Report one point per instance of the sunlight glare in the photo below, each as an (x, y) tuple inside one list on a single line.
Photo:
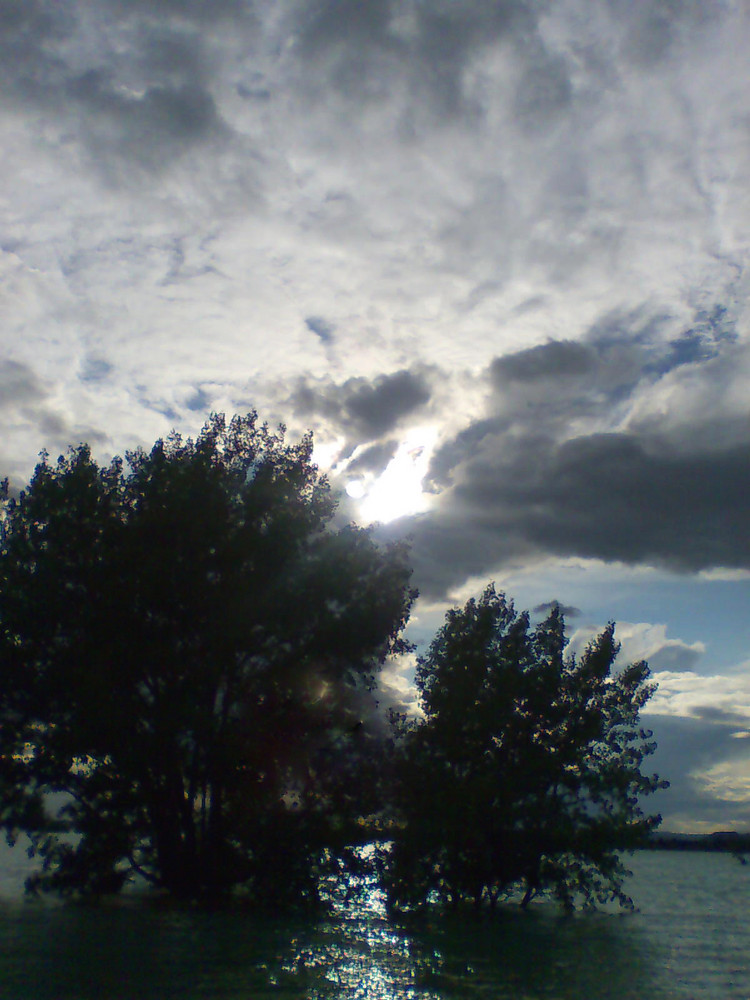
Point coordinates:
[(355, 488), (398, 491)]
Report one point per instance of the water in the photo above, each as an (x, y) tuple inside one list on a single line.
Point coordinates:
[(689, 939)]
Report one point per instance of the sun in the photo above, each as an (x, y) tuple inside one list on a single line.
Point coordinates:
[(356, 489), (397, 492)]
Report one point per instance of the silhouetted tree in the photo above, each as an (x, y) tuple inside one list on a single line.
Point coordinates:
[(525, 772), (187, 641)]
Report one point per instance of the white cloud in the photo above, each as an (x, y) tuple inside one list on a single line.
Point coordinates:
[(682, 689), (647, 641), (642, 641), (728, 781), (396, 685), (719, 697)]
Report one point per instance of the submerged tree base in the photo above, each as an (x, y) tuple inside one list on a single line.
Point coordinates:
[(524, 774), (189, 645)]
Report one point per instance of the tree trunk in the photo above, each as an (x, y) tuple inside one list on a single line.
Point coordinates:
[(528, 895)]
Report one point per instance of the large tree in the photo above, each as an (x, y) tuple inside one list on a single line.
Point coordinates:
[(524, 774), (187, 641)]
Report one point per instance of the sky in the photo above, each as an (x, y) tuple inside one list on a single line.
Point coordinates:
[(494, 253)]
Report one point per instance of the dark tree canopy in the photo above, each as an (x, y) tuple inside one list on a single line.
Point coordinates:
[(185, 637), (525, 773)]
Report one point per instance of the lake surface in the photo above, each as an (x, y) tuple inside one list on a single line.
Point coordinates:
[(690, 938)]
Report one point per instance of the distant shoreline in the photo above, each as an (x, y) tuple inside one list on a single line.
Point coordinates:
[(728, 841)]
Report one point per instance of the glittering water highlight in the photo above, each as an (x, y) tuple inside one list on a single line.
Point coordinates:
[(689, 938)]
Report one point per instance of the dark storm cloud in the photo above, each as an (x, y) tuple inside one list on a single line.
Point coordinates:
[(618, 357), (371, 46), (452, 544), (375, 458), (455, 450), (321, 328), (427, 51), (27, 401), (379, 405), (654, 27), (195, 10), (143, 93), (539, 390), (518, 485), (95, 370), (710, 713), (612, 497), (29, 32), (338, 22), (704, 744), (544, 387), (543, 93), (567, 610), (164, 121), (19, 385), (364, 409), (556, 359), (675, 657), (199, 401)]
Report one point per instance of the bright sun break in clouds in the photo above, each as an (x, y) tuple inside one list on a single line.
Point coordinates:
[(397, 492)]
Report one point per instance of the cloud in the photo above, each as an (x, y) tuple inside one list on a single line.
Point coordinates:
[(152, 128), (667, 657), (364, 409), (19, 385), (378, 406), (544, 92), (373, 459), (28, 32), (567, 610), (686, 687), (568, 459), (720, 698), (396, 688), (727, 781), (521, 227), (556, 360), (36, 419), (28, 403), (321, 328), (95, 369), (696, 720), (123, 87), (706, 769), (612, 497), (703, 341), (199, 401), (375, 47), (194, 10)]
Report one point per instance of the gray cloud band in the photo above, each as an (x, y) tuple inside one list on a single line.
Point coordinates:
[(603, 496)]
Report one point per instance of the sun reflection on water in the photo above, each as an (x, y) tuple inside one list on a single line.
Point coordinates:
[(680, 946), (357, 953)]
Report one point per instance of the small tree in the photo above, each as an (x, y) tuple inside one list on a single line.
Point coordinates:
[(186, 644), (525, 772)]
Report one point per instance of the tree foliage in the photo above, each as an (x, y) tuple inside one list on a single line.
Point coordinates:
[(525, 772), (185, 637)]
